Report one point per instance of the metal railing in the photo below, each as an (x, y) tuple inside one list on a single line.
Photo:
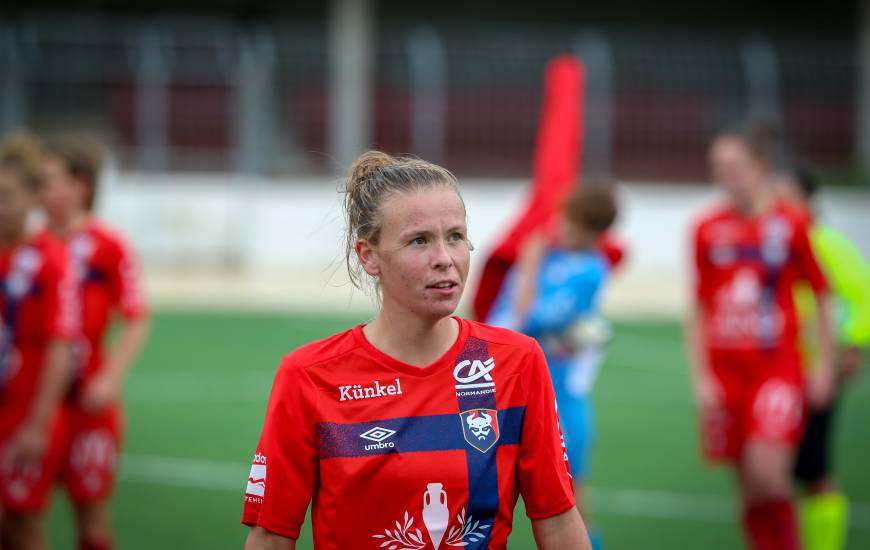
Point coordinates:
[(207, 94)]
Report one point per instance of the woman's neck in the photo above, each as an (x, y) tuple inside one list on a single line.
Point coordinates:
[(756, 203), (68, 224), (410, 339)]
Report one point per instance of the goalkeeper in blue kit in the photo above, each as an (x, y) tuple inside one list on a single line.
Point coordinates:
[(553, 293)]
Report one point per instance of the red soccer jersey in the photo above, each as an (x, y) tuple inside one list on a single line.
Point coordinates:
[(746, 267), (38, 304), (395, 455), (108, 278)]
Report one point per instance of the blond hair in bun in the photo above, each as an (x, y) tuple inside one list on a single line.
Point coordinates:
[(21, 154)]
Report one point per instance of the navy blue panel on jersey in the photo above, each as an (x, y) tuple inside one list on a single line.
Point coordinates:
[(443, 432)]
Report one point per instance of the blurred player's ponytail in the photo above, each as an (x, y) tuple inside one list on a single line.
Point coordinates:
[(83, 159), (372, 178), (21, 155)]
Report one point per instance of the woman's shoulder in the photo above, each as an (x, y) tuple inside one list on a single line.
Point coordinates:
[(320, 351), (45, 252), (713, 212), (513, 352), (500, 336)]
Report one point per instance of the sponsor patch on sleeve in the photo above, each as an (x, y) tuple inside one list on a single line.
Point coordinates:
[(256, 488)]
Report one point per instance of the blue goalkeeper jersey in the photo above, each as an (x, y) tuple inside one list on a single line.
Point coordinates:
[(568, 290)]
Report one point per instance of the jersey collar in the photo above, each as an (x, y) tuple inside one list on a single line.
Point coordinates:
[(412, 370)]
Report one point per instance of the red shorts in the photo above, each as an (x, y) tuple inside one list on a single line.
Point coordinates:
[(92, 452), (29, 490), (767, 406)]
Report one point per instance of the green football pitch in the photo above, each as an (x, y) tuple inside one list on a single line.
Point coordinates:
[(196, 400)]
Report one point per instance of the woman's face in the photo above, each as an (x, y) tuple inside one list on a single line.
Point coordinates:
[(59, 192), (735, 168), (422, 256), (15, 203)]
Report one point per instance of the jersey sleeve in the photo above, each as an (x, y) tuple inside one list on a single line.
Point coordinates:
[(62, 305), (285, 469), (805, 259), (127, 281), (702, 267), (543, 471)]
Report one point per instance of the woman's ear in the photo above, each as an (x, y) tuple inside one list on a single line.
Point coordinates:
[(368, 257)]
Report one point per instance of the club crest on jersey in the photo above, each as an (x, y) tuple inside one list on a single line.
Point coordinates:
[(480, 428)]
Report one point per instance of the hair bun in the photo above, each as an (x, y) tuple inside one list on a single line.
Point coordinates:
[(365, 165), (21, 149)]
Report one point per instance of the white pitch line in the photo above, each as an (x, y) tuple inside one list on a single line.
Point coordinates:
[(606, 501), (183, 472)]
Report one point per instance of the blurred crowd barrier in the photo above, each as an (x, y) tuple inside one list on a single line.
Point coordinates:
[(240, 242), (203, 94)]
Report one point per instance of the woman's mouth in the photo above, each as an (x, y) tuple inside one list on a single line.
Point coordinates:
[(443, 286)]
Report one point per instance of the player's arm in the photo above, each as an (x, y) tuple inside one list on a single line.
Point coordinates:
[(825, 374), (543, 473), (823, 379), (32, 439), (704, 386), (564, 531), (261, 539), (821, 382), (61, 322), (105, 388), (285, 473), (528, 266), (820, 385)]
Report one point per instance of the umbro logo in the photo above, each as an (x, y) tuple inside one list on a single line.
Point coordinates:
[(378, 435)]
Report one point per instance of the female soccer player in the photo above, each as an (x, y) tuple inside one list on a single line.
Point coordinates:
[(39, 316), (552, 295), (419, 429), (107, 278), (825, 510), (742, 334)]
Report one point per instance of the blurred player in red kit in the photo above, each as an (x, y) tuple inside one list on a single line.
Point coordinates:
[(743, 334), (39, 321), (107, 277), (419, 429)]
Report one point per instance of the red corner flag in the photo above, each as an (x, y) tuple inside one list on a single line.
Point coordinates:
[(556, 171)]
